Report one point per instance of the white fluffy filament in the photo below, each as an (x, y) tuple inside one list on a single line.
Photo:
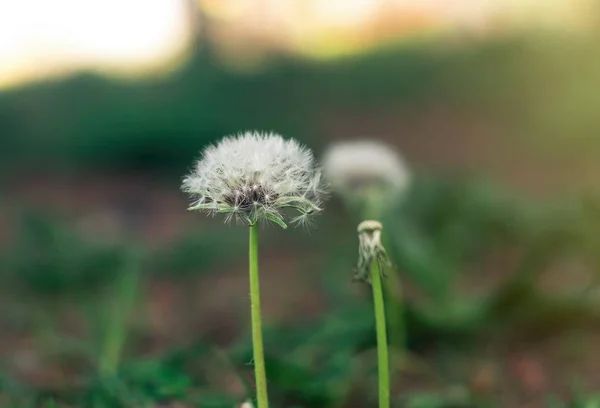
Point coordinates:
[(254, 177)]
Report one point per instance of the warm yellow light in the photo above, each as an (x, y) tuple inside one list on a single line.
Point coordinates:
[(41, 37), (225, 9), (343, 12)]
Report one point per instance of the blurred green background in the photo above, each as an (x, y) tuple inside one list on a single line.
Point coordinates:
[(497, 243)]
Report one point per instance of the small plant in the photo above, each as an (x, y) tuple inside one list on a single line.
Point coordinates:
[(372, 178), (252, 178), (120, 310), (372, 258)]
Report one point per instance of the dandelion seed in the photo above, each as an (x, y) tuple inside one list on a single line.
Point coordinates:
[(360, 168), (255, 177)]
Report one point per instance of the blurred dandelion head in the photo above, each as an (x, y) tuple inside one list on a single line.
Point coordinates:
[(256, 177), (365, 168)]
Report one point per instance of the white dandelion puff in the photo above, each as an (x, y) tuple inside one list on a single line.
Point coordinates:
[(358, 168), (254, 177)]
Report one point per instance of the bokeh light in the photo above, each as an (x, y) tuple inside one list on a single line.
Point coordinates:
[(39, 38)]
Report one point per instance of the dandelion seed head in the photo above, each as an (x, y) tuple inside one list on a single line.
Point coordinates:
[(254, 177), (354, 168)]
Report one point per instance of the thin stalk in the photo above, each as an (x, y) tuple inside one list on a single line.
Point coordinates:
[(118, 317), (257, 341), (395, 311), (382, 346), (373, 210)]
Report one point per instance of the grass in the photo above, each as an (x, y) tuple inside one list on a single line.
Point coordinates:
[(325, 362)]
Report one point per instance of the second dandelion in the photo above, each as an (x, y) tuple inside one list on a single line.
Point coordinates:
[(255, 177), (369, 175), (372, 258), (372, 178)]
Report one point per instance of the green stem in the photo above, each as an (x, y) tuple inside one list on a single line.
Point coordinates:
[(382, 347), (373, 210), (257, 341), (119, 314), (395, 312)]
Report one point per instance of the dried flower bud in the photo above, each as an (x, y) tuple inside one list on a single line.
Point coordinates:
[(370, 249)]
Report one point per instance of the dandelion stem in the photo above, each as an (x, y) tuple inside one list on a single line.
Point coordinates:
[(382, 347), (257, 341), (395, 311)]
